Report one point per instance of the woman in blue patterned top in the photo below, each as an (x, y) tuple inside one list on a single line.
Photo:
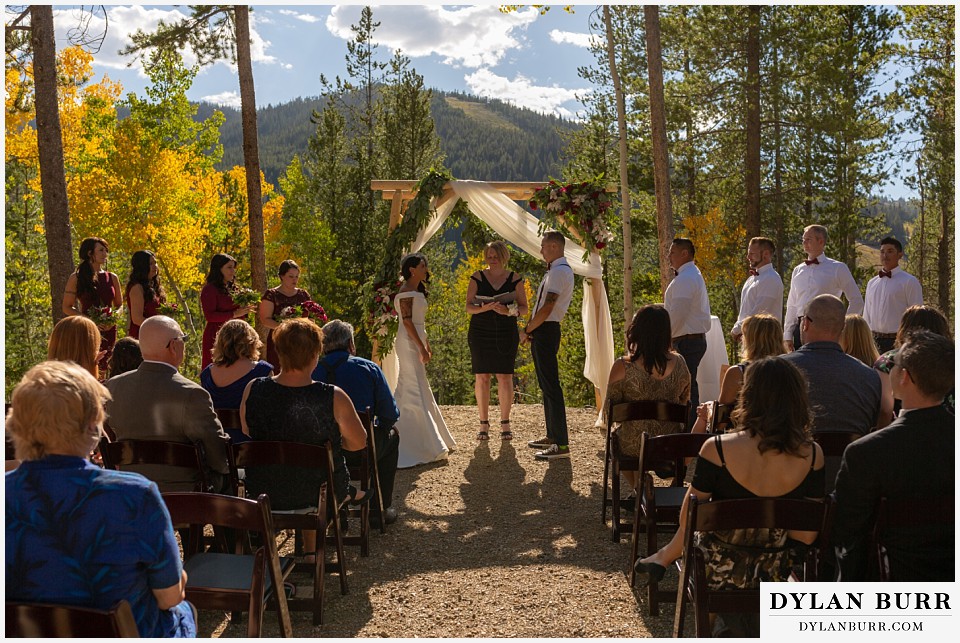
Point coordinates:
[(77, 534)]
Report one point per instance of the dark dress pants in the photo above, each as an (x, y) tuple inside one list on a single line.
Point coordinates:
[(797, 342), (388, 454), (692, 349), (884, 344), (544, 346)]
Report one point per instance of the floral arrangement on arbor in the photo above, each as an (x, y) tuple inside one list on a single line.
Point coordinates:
[(103, 316), (579, 208), (381, 321), (309, 309)]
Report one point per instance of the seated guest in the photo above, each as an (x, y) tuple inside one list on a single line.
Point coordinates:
[(77, 534), (856, 340), (292, 407), (771, 455), (126, 356), (76, 339), (155, 402), (367, 387), (915, 318), (762, 337), (651, 371), (913, 458), (236, 353)]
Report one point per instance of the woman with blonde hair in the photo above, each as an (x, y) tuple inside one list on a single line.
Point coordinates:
[(236, 361), (76, 339), (79, 534), (856, 340)]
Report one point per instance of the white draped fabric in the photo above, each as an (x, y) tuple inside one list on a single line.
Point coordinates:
[(520, 228)]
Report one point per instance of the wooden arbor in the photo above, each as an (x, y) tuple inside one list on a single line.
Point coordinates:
[(400, 193)]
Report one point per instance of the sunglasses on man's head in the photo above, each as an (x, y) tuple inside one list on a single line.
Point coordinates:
[(182, 338)]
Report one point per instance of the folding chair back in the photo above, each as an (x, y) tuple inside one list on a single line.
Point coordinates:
[(46, 620), (720, 417), (257, 453), (367, 476), (749, 513), (614, 461), (834, 443), (934, 512), (125, 453), (233, 582)]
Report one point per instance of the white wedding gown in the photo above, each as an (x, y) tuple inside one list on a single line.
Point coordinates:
[(424, 436)]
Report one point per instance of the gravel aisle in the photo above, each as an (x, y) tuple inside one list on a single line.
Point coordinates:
[(491, 543)]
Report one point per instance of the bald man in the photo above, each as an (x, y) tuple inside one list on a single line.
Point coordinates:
[(155, 402)]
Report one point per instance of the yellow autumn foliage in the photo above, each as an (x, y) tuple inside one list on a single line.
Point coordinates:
[(714, 239)]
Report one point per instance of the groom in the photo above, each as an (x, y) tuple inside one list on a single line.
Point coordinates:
[(543, 333)]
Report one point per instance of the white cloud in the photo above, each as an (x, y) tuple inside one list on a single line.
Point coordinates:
[(305, 17), (122, 22), (521, 92), (472, 36), (584, 40), (226, 99)]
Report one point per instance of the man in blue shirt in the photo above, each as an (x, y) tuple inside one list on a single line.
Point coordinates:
[(364, 382)]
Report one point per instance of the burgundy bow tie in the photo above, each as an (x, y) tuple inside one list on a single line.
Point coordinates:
[(675, 273), (753, 273), (815, 260), (884, 273)]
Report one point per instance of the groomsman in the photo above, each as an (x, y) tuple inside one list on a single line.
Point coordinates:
[(889, 294), (817, 275), (763, 290), (543, 333), (689, 307)]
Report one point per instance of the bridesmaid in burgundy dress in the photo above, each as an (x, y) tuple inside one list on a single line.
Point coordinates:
[(276, 299), (217, 302), (90, 286), (144, 292)]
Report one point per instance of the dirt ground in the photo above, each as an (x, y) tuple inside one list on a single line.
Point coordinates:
[(490, 543)]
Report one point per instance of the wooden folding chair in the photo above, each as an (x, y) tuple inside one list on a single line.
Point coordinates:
[(45, 620), (125, 453), (228, 418), (719, 417), (834, 443), (241, 581), (658, 508), (615, 461), (257, 453), (934, 512), (784, 513), (366, 419)]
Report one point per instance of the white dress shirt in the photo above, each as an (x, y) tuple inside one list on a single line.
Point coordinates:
[(888, 297), (762, 293), (830, 277), (687, 302), (558, 280)]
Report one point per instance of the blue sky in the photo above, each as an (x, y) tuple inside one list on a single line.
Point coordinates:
[(524, 58)]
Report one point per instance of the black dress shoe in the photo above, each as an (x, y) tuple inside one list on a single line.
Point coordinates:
[(649, 573), (389, 515)]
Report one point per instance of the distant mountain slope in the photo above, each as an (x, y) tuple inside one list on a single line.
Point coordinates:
[(485, 140)]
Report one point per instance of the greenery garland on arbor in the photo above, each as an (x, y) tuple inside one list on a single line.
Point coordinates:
[(378, 292)]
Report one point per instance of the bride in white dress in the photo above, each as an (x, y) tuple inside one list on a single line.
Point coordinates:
[(424, 436)]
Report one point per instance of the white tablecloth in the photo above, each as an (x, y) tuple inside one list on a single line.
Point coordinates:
[(708, 373)]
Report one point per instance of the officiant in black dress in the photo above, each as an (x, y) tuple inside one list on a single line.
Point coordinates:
[(495, 299)]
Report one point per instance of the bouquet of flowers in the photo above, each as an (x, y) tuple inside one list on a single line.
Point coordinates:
[(103, 316), (313, 311), (580, 208), (513, 309), (382, 319), (245, 296), (285, 313), (169, 310)]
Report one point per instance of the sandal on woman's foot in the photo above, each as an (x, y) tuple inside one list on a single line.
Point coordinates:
[(483, 434), (352, 496), (508, 434)]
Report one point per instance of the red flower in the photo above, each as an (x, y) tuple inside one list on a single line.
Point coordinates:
[(533, 204), (601, 245)]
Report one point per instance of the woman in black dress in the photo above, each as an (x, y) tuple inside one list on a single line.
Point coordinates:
[(493, 335)]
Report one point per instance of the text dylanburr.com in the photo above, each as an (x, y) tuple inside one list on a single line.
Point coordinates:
[(859, 610)]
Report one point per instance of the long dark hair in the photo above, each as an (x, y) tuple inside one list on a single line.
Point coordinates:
[(140, 274), (215, 277), (774, 405), (649, 337), (86, 280), (408, 263)]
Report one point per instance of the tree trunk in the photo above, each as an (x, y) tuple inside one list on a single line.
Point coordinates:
[(752, 155), (658, 127), (923, 207), (625, 206), (777, 205), (944, 281), (53, 182), (251, 154)]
